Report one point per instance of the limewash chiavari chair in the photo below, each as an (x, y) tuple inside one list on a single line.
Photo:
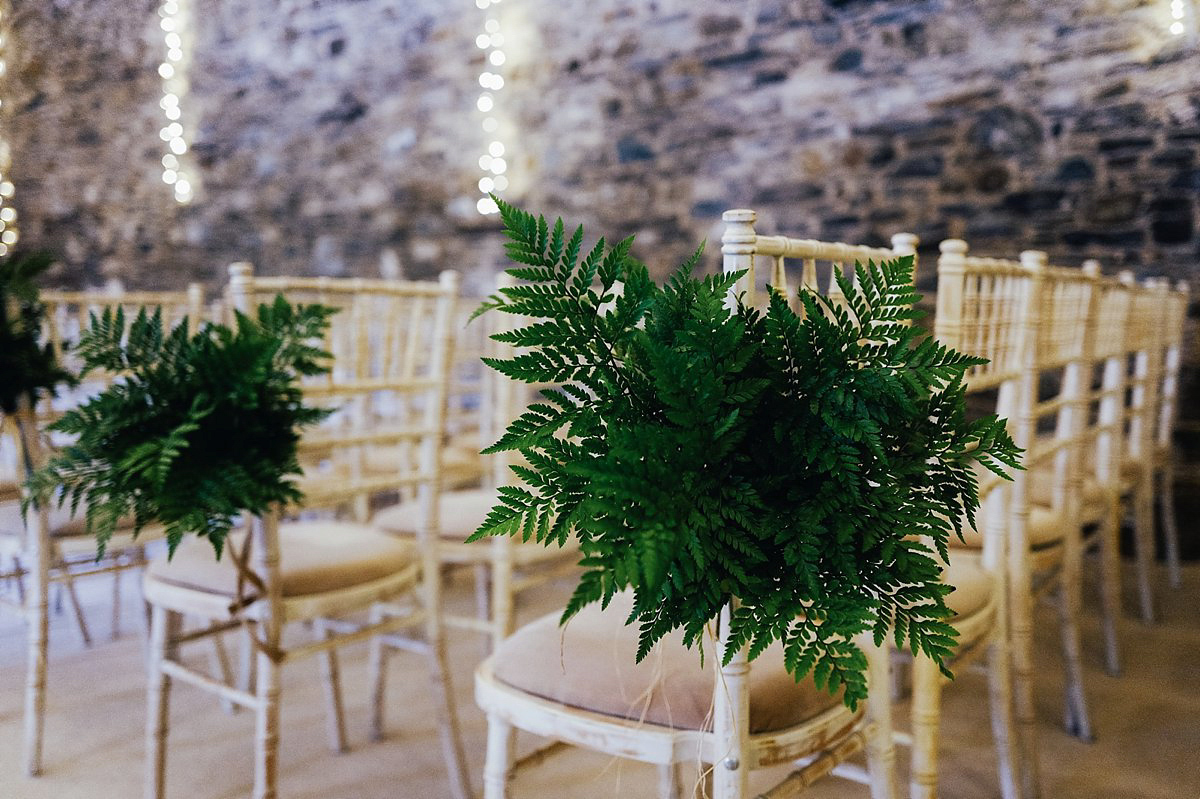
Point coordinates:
[(1140, 421), (580, 686), (1168, 398), (1044, 541), (505, 568), (51, 546), (391, 342), (984, 308)]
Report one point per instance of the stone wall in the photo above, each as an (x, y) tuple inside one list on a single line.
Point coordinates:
[(331, 134)]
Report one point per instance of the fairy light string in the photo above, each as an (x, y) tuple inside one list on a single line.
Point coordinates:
[(174, 19), (492, 162), (8, 214)]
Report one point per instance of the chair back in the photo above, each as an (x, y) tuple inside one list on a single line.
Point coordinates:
[(1104, 376), (765, 258), (391, 343), (1168, 396), (987, 307), (1145, 340), (742, 250)]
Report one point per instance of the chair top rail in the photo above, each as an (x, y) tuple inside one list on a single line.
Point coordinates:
[(350, 286)]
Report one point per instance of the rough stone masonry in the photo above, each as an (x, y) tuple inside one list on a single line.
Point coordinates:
[(341, 136)]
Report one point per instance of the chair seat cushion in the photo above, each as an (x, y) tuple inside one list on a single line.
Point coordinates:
[(314, 558), (590, 665), (1046, 528), (973, 585), (461, 513), (62, 523)]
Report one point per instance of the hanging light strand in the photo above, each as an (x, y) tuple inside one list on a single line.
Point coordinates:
[(1178, 12), (174, 16), (8, 214), (492, 162)]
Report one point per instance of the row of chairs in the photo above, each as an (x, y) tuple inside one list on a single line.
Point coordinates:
[(1086, 369), (383, 462)]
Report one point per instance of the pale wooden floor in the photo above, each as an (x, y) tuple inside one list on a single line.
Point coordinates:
[(1148, 723)]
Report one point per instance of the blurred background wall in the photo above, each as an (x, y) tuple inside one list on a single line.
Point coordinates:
[(330, 136)]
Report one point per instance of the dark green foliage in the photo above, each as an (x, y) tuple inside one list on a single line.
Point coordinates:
[(801, 464), (201, 428), (27, 369)]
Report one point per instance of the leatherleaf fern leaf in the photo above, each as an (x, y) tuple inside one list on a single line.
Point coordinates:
[(28, 368), (812, 466), (200, 427)]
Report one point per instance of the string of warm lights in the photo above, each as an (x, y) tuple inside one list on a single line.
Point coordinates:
[(492, 162), (1177, 14), (8, 214), (173, 71)]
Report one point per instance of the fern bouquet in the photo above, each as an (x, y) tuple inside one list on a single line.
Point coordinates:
[(813, 466), (198, 429), (27, 368)]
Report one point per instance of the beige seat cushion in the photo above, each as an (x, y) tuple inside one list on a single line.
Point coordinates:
[(973, 585), (9, 491), (62, 523), (315, 557), (461, 514), (1046, 527), (590, 665)]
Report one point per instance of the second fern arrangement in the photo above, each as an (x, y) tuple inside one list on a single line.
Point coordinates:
[(813, 466)]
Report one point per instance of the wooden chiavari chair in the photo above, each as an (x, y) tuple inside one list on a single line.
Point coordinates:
[(51, 546), (505, 568), (984, 307), (760, 716), (392, 343), (1164, 449)]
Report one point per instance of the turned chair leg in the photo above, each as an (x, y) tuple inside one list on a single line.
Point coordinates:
[(266, 732), (37, 612), (1021, 652), (1077, 720), (881, 748), (158, 693), (68, 582), (1166, 500), (452, 748), (1000, 699), (926, 724), (496, 764), (377, 676), (330, 676), (1143, 538), (1110, 585)]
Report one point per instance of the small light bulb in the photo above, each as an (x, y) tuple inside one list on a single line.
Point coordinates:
[(169, 99), (172, 112), (7, 214), (497, 82), (486, 185), (183, 187), (2, 224), (9, 237), (483, 41), (485, 162), (486, 206), (165, 70), (501, 182), (173, 41), (169, 161), (3, 249), (170, 176), (490, 124), (481, 3), (485, 80), (496, 149), (484, 103), (491, 26), (178, 146), (497, 58), (165, 134), (498, 166), (6, 188), (1177, 28), (167, 24), (175, 54), (171, 7)]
